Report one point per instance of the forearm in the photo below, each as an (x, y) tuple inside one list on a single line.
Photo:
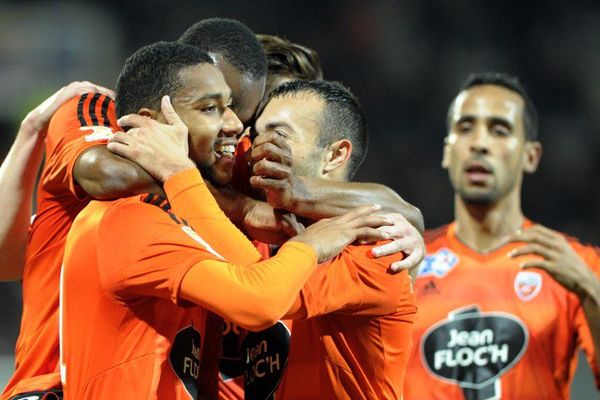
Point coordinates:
[(590, 302), (17, 182), (254, 296), (104, 175), (319, 198), (191, 199)]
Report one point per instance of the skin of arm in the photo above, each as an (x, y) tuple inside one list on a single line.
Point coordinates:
[(316, 198), (104, 175), (17, 181), (18, 173)]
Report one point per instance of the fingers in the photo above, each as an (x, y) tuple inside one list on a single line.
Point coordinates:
[(360, 211), (135, 121), (271, 169), (272, 152), (119, 148), (258, 182), (541, 264), (367, 234), (271, 137), (538, 234), (532, 248), (169, 113), (395, 246), (411, 260)]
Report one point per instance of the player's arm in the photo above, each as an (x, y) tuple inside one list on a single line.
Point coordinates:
[(104, 175), (145, 253), (354, 283), (560, 260), (316, 198), (18, 173)]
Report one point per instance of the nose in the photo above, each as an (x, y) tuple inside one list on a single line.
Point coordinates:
[(480, 140), (232, 125)]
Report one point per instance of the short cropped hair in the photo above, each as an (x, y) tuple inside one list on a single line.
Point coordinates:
[(290, 59), (153, 72), (512, 83), (234, 41), (342, 117)]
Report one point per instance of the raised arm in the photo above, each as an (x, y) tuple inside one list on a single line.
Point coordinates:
[(18, 173)]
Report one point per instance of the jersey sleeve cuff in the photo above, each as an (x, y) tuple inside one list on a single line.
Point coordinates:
[(183, 181)]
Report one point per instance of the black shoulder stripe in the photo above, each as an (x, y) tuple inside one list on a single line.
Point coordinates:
[(174, 218), (166, 206), (92, 108), (82, 100), (105, 104), (148, 198)]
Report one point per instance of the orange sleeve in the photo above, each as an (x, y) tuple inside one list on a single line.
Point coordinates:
[(354, 283), (255, 296), (591, 256), (79, 124), (191, 199), (144, 252)]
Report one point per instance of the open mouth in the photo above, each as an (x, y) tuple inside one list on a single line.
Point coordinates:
[(224, 150)]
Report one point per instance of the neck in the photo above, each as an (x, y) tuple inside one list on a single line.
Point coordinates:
[(487, 227)]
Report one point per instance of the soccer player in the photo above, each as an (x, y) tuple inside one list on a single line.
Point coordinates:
[(350, 339), (145, 269), (503, 301)]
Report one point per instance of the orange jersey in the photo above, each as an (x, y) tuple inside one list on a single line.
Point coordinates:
[(126, 261), (79, 124), (488, 329), (352, 331)]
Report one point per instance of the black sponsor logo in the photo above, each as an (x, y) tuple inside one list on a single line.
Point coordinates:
[(266, 353), (231, 364), (474, 349), (185, 359)]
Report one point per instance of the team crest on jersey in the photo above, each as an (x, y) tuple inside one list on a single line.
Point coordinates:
[(438, 264), (528, 284), (98, 133)]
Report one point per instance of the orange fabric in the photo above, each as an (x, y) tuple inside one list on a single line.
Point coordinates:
[(146, 258), (492, 326), (123, 333), (348, 348), (188, 188), (59, 199)]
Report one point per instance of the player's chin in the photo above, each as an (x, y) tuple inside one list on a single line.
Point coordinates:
[(222, 171)]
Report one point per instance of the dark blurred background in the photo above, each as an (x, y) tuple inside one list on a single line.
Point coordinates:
[(404, 59)]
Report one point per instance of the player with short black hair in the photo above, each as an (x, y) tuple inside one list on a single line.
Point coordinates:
[(504, 303), (510, 82), (162, 61), (239, 56), (342, 116)]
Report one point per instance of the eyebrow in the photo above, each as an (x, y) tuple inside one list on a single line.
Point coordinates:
[(493, 120), (278, 124), (212, 96)]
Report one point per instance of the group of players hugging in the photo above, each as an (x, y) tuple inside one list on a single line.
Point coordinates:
[(198, 236)]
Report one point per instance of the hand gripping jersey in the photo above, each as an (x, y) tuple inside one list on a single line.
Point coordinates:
[(125, 331), (79, 124), (487, 329)]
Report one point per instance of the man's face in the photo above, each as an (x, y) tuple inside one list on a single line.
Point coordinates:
[(485, 148), (297, 119), (246, 94), (202, 104)]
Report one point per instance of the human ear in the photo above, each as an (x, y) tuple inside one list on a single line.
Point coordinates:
[(338, 155), (532, 155)]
